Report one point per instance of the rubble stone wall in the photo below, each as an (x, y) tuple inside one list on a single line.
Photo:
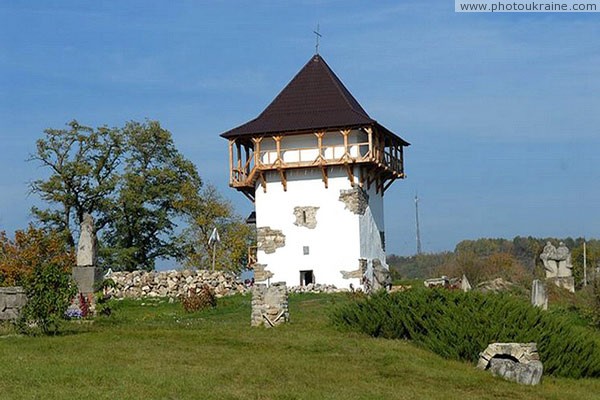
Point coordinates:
[(12, 299), (173, 284), (269, 305)]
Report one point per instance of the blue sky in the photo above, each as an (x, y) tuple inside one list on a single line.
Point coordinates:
[(502, 110)]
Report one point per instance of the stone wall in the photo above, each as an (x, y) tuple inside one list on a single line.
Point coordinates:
[(269, 240), (306, 216), (12, 299), (355, 199), (269, 305), (172, 284)]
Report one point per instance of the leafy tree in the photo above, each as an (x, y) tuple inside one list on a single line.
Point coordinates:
[(236, 236), (131, 179), (83, 163), (157, 186)]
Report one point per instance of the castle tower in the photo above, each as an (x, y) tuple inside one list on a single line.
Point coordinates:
[(316, 167)]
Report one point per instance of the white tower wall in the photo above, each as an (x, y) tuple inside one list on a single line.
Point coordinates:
[(341, 236)]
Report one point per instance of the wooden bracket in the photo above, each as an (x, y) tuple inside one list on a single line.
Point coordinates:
[(283, 179), (349, 172), (325, 178), (263, 181)]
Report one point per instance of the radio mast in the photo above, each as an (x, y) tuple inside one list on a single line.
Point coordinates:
[(417, 221)]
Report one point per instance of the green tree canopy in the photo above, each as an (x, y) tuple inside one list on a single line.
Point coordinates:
[(236, 236), (139, 188), (83, 164)]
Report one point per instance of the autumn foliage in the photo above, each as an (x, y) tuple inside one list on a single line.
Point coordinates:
[(30, 248)]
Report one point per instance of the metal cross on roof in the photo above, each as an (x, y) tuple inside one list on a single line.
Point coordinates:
[(318, 35)]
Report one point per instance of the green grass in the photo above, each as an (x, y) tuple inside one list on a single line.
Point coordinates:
[(156, 351)]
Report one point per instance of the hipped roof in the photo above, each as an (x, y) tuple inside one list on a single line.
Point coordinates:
[(315, 99)]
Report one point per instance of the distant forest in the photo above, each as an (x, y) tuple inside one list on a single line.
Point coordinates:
[(482, 259)]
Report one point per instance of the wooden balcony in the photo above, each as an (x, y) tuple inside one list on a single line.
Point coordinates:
[(380, 158)]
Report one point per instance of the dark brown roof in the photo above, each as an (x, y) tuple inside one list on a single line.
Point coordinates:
[(314, 99)]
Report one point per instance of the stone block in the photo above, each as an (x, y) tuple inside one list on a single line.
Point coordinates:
[(517, 362), (86, 278), (12, 300), (564, 282), (539, 297), (525, 374)]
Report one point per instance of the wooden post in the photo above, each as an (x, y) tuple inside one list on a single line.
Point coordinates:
[(277, 140), (238, 147), (231, 162), (257, 160), (370, 133), (345, 133)]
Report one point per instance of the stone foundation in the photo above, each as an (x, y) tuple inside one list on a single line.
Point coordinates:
[(12, 299), (269, 305)]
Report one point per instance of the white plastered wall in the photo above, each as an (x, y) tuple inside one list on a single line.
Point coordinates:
[(333, 243), (340, 237)]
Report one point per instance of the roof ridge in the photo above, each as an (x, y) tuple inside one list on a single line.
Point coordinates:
[(283, 90), (344, 90), (315, 98)]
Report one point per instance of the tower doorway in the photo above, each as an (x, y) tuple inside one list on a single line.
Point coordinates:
[(306, 277)]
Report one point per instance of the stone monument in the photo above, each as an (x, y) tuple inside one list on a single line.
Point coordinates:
[(86, 273), (558, 266), (465, 285), (539, 297)]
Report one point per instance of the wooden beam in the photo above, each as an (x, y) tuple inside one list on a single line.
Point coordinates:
[(249, 195), (257, 160), (320, 159), (345, 134), (369, 131), (325, 178), (238, 148), (349, 172), (263, 181), (361, 180), (231, 161), (278, 160), (283, 178), (388, 184)]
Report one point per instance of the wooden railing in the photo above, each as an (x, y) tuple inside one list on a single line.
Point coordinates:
[(312, 155), (379, 149)]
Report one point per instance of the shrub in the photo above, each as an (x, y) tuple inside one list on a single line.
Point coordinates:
[(198, 301), (49, 289), (460, 325), (30, 248)]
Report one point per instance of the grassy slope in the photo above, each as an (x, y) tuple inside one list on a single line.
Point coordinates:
[(158, 352)]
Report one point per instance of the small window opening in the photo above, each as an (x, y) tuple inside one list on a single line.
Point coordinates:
[(305, 250), (304, 216)]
